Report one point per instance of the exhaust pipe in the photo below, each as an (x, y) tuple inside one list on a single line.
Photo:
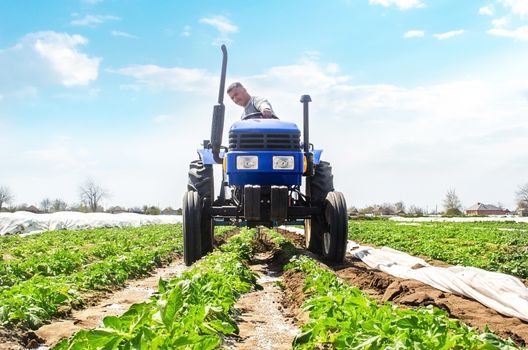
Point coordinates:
[(217, 128), (305, 99)]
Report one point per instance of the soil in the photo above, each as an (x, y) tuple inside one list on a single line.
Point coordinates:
[(263, 321)]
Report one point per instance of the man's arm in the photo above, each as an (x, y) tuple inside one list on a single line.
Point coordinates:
[(263, 106)]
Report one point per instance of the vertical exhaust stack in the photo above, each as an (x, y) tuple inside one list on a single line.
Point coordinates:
[(305, 99), (217, 128)]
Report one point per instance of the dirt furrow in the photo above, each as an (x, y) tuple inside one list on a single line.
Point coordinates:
[(263, 321)]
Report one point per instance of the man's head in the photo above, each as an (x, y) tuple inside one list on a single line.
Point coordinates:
[(238, 94)]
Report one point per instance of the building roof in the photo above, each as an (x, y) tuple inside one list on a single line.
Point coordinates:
[(483, 207)]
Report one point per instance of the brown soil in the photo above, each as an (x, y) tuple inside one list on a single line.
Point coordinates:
[(263, 321)]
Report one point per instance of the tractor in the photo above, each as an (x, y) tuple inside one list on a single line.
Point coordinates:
[(261, 185)]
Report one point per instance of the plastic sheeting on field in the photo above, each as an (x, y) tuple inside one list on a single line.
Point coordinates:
[(504, 293), (22, 222)]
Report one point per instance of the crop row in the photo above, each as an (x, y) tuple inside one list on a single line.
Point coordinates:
[(192, 311), (32, 299), (342, 317), (57, 253), (494, 246)]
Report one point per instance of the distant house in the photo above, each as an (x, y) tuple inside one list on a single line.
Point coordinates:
[(522, 212), (485, 209)]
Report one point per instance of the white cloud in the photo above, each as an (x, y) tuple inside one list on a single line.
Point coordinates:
[(500, 22), (123, 34), (93, 20), (45, 58), (224, 27), (414, 34), (186, 32), (448, 35), (176, 78), (520, 33), (518, 7), (409, 138), (401, 4), (488, 10)]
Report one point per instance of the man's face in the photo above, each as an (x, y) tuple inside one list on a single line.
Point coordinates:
[(239, 96)]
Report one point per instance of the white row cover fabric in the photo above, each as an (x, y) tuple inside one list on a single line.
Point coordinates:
[(22, 222), (503, 293)]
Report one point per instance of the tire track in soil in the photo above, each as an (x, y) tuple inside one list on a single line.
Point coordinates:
[(264, 322), (410, 293)]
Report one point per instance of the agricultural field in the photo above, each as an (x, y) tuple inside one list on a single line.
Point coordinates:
[(493, 246), (348, 305)]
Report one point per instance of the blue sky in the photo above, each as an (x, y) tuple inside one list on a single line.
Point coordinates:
[(411, 98)]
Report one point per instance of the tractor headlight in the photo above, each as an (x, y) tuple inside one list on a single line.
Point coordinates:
[(247, 162), (283, 162)]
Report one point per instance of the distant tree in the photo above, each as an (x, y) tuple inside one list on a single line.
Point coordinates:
[(136, 210), (399, 207), (152, 210), (522, 196), (58, 205), (415, 211), (45, 205), (91, 194), (6, 197), (452, 203)]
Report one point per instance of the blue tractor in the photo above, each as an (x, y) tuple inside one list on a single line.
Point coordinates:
[(263, 168)]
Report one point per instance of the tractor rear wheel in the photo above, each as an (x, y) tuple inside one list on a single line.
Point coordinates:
[(335, 233), (201, 180), (313, 229), (192, 214), (321, 184)]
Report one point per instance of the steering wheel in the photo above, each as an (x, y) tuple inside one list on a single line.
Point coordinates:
[(258, 115)]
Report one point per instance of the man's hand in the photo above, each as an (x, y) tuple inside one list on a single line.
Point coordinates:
[(266, 113)]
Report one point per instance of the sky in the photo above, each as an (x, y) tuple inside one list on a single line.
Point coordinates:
[(411, 98)]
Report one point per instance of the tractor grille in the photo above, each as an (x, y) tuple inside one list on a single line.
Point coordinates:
[(254, 141)]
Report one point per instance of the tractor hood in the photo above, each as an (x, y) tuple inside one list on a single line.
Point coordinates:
[(263, 126)]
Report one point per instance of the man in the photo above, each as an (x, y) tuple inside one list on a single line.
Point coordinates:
[(251, 104)]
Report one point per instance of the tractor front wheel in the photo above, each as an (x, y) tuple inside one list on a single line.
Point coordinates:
[(335, 232), (192, 227)]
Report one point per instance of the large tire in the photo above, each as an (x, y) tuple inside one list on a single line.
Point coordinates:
[(313, 234), (192, 227), (335, 234), (321, 184), (201, 180)]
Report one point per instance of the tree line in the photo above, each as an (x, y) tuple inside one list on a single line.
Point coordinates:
[(90, 196)]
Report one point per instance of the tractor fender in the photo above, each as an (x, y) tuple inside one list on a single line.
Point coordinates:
[(206, 155), (317, 155)]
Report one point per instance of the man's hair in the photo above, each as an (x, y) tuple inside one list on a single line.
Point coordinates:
[(234, 85)]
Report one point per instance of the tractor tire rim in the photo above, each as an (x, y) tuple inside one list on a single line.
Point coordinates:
[(326, 239)]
